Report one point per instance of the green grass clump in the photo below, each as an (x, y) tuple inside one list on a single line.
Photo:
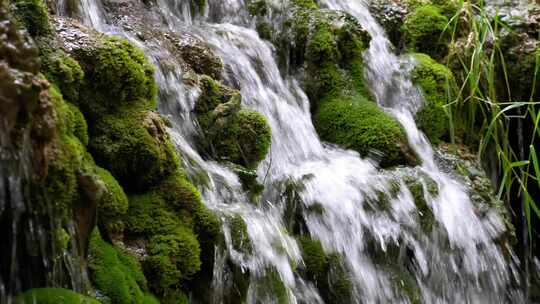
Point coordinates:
[(53, 296)]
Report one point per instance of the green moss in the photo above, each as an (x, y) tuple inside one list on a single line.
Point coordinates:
[(121, 73), (340, 284), (427, 219), (34, 15), (150, 299), (424, 31), (439, 89), (171, 259), (315, 260), (62, 239), (177, 225), (77, 124), (231, 134), (112, 205), (64, 71), (67, 159), (245, 140), (239, 235), (53, 296), (308, 4), (326, 271), (148, 215), (115, 273), (362, 126), (257, 7), (322, 47), (330, 45), (134, 147)]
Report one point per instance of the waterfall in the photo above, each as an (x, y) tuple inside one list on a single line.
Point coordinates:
[(457, 262)]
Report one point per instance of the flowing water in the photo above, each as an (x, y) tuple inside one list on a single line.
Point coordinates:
[(457, 262)]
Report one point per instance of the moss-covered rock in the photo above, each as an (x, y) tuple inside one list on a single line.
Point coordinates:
[(315, 260), (439, 89), (34, 15), (362, 126), (326, 271), (119, 74), (239, 235), (231, 133), (68, 158), (425, 30), (115, 273), (135, 147), (112, 205), (172, 258), (309, 4), (77, 124), (64, 71), (176, 226), (53, 296)]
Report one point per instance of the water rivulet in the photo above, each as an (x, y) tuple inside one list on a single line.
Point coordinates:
[(372, 214)]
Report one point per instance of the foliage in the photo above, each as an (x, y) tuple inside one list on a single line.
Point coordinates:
[(499, 116)]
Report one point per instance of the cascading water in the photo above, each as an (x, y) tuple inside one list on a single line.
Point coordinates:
[(457, 262)]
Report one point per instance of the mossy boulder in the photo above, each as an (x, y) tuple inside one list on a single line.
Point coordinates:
[(326, 271), (68, 159), (135, 147), (231, 133), (425, 30), (329, 45), (63, 71), (77, 123), (439, 89), (112, 205), (309, 4), (53, 296), (34, 15), (175, 225), (239, 235), (115, 273), (361, 125), (172, 258), (315, 259), (117, 74)]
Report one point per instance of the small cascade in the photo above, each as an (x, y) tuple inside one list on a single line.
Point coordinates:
[(458, 261)]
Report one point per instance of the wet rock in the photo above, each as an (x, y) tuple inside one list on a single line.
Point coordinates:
[(390, 15)]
